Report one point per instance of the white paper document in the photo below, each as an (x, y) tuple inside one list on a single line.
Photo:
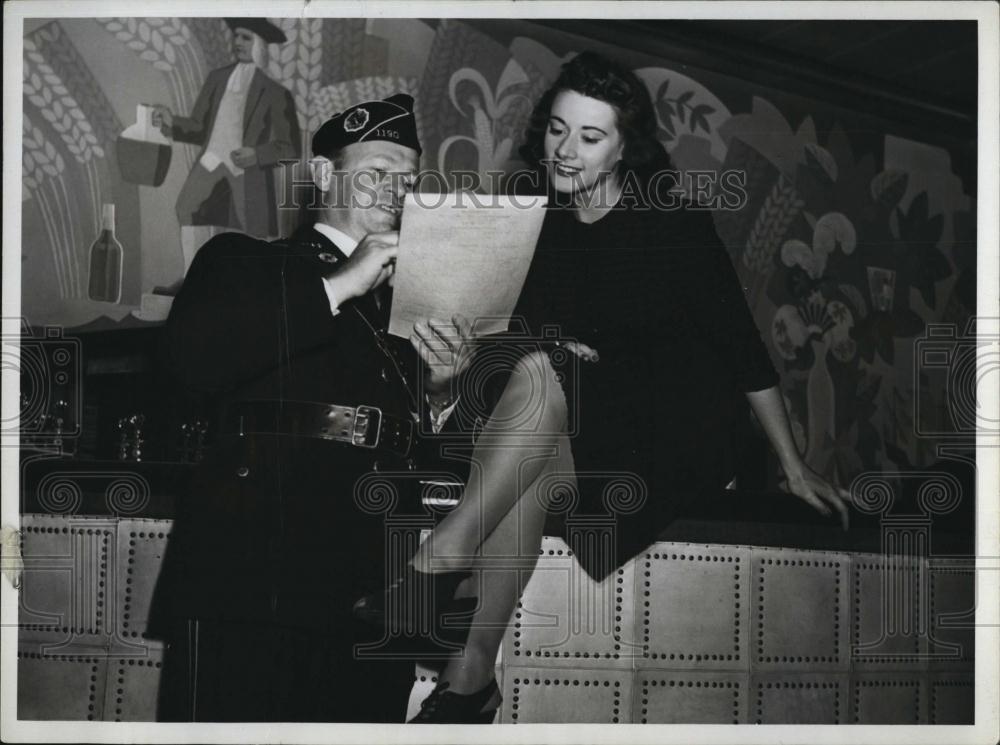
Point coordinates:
[(463, 253)]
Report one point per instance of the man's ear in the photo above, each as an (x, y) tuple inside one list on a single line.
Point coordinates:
[(321, 170)]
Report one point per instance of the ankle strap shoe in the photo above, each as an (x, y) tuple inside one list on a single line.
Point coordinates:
[(447, 707)]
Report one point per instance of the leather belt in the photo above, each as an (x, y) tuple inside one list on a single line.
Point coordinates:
[(361, 426)]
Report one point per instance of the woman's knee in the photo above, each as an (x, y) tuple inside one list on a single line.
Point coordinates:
[(537, 381)]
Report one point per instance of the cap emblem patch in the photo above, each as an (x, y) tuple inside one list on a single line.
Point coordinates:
[(356, 120)]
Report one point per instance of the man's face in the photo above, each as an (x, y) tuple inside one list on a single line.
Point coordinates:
[(243, 45), (369, 186)]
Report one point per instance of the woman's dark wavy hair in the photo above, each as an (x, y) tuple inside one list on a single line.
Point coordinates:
[(595, 76)]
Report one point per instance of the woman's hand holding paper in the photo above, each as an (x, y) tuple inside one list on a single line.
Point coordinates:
[(446, 349)]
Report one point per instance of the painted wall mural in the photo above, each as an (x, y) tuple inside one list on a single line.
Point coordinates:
[(851, 244)]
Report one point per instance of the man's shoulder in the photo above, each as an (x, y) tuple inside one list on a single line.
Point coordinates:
[(235, 244), (231, 250)]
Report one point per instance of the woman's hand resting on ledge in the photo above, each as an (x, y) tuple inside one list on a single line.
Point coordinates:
[(817, 492)]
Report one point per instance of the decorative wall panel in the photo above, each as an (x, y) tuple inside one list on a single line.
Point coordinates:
[(889, 698), (64, 587), (133, 686), (575, 649), (952, 700), (570, 695), (887, 631), (141, 545), (566, 619), (800, 610), (693, 607), (800, 698), (61, 687), (952, 610), (662, 697)]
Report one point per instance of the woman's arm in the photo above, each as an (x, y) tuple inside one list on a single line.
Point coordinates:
[(803, 482)]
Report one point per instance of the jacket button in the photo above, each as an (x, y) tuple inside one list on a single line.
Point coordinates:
[(385, 375), (242, 472)]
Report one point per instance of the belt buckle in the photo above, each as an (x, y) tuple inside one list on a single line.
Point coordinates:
[(359, 435)]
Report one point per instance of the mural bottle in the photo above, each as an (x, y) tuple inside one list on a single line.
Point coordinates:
[(106, 258)]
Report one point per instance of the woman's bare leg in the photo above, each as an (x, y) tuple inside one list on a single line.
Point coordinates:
[(507, 560), (515, 446)]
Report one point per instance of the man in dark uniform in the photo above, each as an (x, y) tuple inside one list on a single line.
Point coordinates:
[(278, 538)]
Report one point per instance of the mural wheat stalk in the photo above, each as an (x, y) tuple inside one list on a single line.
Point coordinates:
[(49, 94), (297, 65), (58, 107), (43, 164), (60, 53), (781, 207)]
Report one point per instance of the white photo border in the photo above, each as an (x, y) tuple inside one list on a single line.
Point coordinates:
[(987, 646)]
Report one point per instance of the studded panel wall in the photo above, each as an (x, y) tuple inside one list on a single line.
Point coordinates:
[(683, 633)]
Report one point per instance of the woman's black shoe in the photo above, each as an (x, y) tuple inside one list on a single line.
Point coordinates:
[(447, 707), (414, 607)]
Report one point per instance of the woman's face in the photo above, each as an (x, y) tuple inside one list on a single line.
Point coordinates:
[(582, 142)]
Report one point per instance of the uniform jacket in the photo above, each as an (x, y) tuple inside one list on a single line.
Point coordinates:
[(270, 126), (276, 528)]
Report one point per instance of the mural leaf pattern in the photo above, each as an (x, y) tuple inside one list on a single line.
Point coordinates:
[(40, 159), (297, 65), (776, 215), (45, 167), (58, 106), (343, 50)]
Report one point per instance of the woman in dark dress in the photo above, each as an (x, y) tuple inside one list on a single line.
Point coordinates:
[(669, 362)]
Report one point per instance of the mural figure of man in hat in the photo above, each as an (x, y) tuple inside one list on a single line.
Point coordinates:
[(246, 124)]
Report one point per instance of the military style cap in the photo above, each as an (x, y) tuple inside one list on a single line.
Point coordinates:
[(260, 26), (391, 120)]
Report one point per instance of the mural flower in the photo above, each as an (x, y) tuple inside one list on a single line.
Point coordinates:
[(493, 143), (765, 147), (794, 326), (832, 230), (817, 312)]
